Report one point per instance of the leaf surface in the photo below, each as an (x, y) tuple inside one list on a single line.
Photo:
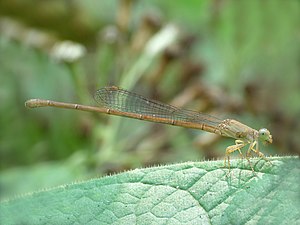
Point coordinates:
[(185, 193)]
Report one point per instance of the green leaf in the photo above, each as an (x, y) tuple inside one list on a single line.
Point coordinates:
[(185, 193)]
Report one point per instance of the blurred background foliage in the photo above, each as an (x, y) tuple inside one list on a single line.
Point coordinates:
[(233, 59)]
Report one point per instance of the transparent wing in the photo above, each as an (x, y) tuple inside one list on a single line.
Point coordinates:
[(121, 100)]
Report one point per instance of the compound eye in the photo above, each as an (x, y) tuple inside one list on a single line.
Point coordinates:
[(263, 132)]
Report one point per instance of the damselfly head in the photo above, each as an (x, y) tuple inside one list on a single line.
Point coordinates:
[(265, 136)]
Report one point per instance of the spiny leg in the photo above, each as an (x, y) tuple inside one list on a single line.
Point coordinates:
[(230, 149), (248, 154), (260, 154)]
